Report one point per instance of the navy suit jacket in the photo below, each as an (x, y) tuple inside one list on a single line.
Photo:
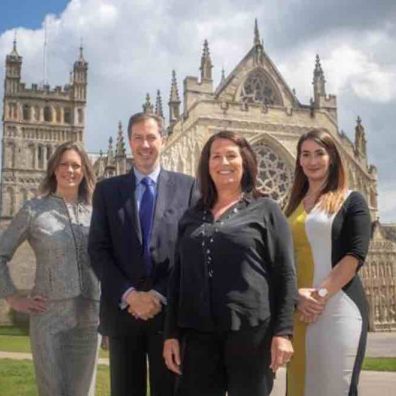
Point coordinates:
[(115, 241)]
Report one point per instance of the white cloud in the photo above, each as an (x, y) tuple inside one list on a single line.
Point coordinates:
[(348, 63)]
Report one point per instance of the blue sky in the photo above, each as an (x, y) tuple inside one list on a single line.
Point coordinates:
[(27, 13), (133, 45)]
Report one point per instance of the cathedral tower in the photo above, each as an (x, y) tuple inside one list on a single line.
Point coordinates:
[(36, 120)]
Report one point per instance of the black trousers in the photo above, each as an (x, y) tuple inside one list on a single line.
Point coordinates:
[(128, 361), (236, 362)]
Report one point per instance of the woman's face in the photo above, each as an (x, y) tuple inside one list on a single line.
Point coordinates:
[(69, 172), (225, 164), (315, 161)]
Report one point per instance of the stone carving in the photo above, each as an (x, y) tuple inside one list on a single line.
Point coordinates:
[(275, 175), (258, 88)]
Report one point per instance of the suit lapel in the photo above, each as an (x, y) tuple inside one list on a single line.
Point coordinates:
[(165, 191), (127, 191)]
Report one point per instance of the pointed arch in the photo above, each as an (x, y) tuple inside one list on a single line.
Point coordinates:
[(259, 88), (276, 170), (47, 114), (26, 112)]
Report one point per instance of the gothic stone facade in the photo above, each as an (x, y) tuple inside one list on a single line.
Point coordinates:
[(255, 101), (35, 121)]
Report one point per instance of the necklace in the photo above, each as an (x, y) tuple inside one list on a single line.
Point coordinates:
[(310, 200), (219, 210)]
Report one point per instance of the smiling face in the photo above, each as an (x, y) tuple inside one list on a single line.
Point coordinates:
[(69, 172), (315, 161), (225, 164), (146, 144)]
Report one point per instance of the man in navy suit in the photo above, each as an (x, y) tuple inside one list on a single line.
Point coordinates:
[(131, 245)]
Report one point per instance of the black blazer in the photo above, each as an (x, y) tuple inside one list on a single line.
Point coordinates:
[(115, 241)]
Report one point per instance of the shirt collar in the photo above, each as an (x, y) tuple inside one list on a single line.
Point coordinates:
[(154, 175)]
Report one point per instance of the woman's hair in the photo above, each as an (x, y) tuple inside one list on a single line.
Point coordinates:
[(87, 185), (333, 192), (249, 161)]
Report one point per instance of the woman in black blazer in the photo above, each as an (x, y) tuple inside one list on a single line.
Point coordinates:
[(233, 288)]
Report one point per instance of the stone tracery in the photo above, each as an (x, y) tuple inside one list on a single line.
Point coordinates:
[(258, 88), (275, 175)]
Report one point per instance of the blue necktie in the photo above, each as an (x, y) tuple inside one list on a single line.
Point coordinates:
[(146, 212)]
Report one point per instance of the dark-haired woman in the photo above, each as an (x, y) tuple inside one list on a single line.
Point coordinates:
[(63, 305), (331, 231), (233, 290)]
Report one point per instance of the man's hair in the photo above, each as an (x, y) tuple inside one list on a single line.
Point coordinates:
[(139, 117)]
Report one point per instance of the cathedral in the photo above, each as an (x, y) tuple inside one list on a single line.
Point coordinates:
[(253, 100)]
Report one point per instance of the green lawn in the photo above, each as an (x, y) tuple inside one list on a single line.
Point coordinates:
[(21, 343), (379, 364), (14, 343), (13, 339), (17, 378), (12, 330)]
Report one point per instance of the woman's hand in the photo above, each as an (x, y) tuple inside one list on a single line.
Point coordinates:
[(171, 355), (310, 305), (281, 352), (36, 304)]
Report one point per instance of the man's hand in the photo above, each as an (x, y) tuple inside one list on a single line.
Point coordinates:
[(104, 344), (36, 304), (310, 305), (281, 352), (143, 305), (171, 355)]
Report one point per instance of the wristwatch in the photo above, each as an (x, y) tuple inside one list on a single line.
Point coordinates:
[(322, 292)]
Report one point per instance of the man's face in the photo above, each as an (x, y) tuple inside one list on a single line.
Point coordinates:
[(146, 144)]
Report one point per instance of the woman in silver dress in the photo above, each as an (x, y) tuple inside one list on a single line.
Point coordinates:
[(64, 302)]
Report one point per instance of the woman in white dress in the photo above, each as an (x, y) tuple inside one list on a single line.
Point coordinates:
[(331, 231)]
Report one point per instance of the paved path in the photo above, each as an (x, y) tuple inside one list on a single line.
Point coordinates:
[(28, 356), (381, 345), (372, 383)]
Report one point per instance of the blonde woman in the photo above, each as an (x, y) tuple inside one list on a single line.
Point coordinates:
[(331, 232), (63, 305)]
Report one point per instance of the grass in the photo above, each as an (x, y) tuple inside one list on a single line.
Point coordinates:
[(12, 341), (379, 364), (13, 331), (17, 378), (15, 343)]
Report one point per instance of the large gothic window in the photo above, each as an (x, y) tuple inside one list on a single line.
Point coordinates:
[(258, 88), (275, 175)]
